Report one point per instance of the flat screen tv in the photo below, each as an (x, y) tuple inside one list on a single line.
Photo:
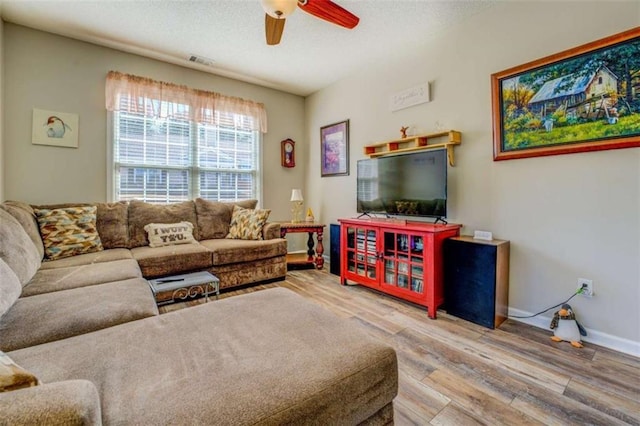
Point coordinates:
[(412, 184)]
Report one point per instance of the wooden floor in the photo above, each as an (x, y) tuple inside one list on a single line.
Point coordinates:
[(453, 372)]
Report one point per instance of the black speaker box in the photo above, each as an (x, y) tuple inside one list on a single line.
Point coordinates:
[(476, 280), (334, 253)]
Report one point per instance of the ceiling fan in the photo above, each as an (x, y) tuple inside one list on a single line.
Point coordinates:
[(278, 10)]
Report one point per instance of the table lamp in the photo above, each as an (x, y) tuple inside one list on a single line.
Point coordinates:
[(296, 208)]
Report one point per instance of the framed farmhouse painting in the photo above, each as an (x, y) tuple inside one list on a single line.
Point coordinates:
[(583, 99), (334, 149)]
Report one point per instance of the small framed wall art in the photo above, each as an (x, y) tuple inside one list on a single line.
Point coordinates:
[(288, 153), (582, 99), (334, 149), (54, 128)]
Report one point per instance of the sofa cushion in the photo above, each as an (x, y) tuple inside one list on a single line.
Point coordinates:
[(68, 231), (17, 249), (171, 260), (27, 218), (61, 314), (269, 357), (72, 402), (227, 251), (50, 280), (214, 217), (112, 222), (86, 259), (247, 224), (10, 287), (14, 377), (169, 234), (141, 214)]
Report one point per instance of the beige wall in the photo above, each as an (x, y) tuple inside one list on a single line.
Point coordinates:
[(49, 72), (566, 216)]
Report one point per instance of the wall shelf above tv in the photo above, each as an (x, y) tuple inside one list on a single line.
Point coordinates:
[(417, 143)]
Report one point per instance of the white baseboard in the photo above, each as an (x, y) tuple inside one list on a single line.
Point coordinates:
[(593, 336)]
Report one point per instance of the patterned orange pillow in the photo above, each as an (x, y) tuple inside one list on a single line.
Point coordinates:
[(68, 231)]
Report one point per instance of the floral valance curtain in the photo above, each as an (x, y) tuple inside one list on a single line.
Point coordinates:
[(144, 95)]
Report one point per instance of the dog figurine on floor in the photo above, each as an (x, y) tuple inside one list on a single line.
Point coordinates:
[(566, 328)]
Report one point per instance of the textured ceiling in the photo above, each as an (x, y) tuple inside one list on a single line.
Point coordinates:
[(312, 54)]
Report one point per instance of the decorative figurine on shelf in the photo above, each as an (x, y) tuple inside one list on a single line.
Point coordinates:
[(403, 131), (566, 328), (309, 217)]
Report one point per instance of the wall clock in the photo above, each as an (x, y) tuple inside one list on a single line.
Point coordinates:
[(288, 153)]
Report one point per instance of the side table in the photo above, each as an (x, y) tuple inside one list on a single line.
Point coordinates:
[(314, 257)]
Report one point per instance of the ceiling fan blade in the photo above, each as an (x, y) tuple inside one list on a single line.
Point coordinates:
[(329, 11), (273, 29)]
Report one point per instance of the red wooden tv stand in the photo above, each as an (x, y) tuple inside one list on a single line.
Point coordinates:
[(398, 257)]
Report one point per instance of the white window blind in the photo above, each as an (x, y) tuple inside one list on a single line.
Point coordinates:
[(161, 155)]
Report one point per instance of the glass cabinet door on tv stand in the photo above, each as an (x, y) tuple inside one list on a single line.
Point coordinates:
[(404, 261), (396, 257), (361, 253)]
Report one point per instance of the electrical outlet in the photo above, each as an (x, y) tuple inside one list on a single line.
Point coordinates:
[(586, 286)]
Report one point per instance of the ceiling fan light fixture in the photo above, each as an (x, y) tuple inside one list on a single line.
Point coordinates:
[(279, 9)]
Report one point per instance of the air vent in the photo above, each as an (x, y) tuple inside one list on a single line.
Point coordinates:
[(201, 60)]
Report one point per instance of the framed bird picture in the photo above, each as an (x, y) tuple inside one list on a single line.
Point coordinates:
[(54, 128)]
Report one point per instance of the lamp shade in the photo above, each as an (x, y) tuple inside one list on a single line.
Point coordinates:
[(279, 9), (296, 195)]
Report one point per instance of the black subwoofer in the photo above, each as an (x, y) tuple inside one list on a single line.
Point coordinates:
[(476, 280), (334, 252)]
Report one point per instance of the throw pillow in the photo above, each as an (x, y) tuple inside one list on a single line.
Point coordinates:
[(12, 376), (68, 231), (246, 224), (168, 234), (141, 214)]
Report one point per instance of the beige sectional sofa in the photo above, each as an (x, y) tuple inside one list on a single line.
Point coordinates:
[(68, 288), (88, 328)]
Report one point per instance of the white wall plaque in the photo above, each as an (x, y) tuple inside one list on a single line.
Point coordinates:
[(410, 97)]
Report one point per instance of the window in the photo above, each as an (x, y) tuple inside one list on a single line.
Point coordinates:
[(166, 160), (163, 152)]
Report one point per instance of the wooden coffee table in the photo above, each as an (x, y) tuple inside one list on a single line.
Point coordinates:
[(185, 286)]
